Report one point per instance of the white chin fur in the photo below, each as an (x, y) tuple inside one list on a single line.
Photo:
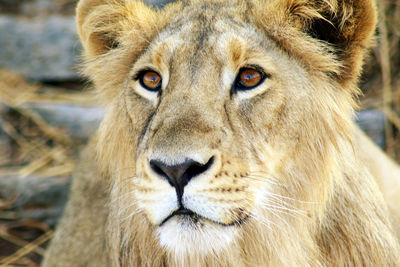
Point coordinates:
[(182, 236)]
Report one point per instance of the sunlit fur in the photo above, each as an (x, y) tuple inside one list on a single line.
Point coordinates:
[(292, 181)]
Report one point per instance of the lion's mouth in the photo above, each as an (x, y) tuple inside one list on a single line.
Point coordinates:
[(194, 217), (182, 212)]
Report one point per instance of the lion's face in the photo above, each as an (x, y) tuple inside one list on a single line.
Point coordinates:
[(213, 153), (225, 118)]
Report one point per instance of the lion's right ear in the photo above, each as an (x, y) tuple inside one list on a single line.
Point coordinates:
[(102, 24)]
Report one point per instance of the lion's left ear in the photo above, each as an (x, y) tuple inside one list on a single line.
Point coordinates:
[(113, 34), (102, 24), (347, 26)]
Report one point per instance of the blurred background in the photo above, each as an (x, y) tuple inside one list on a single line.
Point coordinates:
[(47, 114)]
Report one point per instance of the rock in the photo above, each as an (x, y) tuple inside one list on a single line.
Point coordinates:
[(39, 198), (40, 48), (42, 7), (5, 149), (31, 8), (158, 3), (41, 43), (5, 141), (79, 121), (373, 124)]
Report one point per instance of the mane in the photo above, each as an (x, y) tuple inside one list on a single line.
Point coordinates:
[(330, 41)]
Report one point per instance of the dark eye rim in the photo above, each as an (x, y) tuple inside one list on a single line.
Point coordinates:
[(239, 86), (139, 77)]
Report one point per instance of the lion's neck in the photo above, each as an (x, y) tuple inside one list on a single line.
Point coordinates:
[(259, 244)]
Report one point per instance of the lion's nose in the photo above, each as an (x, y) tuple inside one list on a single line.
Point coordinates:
[(179, 175)]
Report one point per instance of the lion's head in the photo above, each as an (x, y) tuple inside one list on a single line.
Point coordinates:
[(225, 119)]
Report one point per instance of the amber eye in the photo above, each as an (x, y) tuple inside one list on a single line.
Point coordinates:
[(150, 80), (248, 78)]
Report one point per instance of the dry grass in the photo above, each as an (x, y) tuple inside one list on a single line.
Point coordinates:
[(37, 148)]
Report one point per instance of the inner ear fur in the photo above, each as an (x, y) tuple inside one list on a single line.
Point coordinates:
[(103, 24), (344, 30), (348, 26)]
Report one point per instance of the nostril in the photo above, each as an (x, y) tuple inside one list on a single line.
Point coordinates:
[(154, 165), (197, 168)]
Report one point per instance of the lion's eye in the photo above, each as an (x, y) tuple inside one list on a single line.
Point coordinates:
[(248, 78), (150, 80)]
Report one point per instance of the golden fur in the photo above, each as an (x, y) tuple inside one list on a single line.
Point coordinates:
[(291, 183)]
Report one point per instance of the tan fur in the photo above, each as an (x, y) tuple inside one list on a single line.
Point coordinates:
[(292, 182)]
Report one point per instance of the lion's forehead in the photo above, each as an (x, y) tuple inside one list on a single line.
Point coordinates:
[(203, 39)]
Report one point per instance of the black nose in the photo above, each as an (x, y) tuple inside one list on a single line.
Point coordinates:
[(179, 175)]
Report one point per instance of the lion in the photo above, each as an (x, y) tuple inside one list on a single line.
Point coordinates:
[(228, 139)]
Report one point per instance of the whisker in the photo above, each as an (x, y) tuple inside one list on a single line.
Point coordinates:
[(283, 210), (263, 222), (264, 179), (276, 196)]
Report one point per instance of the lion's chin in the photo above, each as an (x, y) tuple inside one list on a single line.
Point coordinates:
[(183, 235)]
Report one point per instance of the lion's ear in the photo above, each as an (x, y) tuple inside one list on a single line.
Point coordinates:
[(346, 26), (102, 23)]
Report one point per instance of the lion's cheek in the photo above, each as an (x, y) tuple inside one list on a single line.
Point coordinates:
[(157, 207), (226, 208)]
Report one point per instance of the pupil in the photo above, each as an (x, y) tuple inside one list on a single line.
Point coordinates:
[(250, 77), (151, 79)]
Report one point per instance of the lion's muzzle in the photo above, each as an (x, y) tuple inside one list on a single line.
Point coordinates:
[(178, 176)]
